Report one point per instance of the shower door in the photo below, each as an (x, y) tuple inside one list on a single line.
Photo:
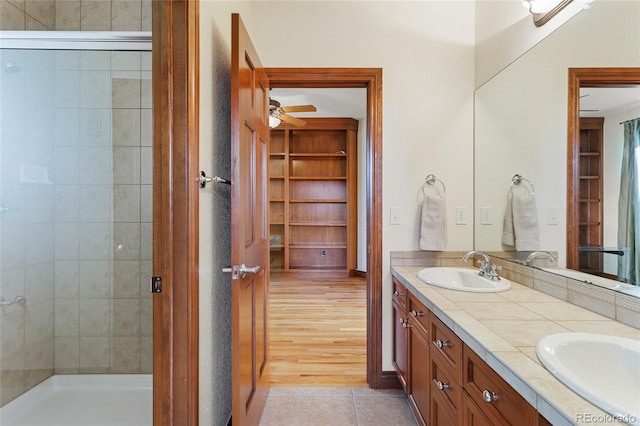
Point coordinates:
[(75, 213)]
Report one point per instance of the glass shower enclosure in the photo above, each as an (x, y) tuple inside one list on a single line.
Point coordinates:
[(75, 206)]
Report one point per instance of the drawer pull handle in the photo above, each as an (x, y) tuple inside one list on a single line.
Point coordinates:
[(406, 324), (489, 396), (442, 386), (440, 344), (397, 293), (417, 313)]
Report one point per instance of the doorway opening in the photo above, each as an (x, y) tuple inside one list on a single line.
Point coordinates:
[(371, 81)]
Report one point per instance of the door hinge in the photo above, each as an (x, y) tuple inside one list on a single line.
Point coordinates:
[(156, 284)]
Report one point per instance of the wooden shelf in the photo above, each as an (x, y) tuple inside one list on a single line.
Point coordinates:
[(313, 190)]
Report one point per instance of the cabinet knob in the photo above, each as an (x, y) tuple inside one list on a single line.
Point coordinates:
[(397, 293), (442, 386), (440, 344), (406, 324), (417, 313), (489, 396)]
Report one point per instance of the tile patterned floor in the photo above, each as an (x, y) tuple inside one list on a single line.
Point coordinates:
[(336, 406)]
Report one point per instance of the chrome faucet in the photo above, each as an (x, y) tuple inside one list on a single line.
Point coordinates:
[(535, 254), (487, 270)]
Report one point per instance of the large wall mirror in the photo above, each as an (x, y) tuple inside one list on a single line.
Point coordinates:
[(521, 118)]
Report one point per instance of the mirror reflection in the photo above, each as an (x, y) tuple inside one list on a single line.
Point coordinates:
[(521, 129)]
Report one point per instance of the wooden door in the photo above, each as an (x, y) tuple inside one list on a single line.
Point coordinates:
[(249, 236)]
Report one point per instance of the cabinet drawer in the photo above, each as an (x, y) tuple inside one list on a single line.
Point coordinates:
[(399, 294), (418, 311), (444, 383), (445, 343), (499, 401)]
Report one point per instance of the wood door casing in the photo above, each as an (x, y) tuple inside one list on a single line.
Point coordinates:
[(584, 77), (249, 232), (175, 211)]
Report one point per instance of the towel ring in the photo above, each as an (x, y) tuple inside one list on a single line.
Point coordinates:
[(517, 179), (431, 180)]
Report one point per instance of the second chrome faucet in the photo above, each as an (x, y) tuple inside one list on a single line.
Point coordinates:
[(487, 270)]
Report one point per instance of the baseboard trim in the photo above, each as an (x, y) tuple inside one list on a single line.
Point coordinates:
[(389, 380), (358, 273)]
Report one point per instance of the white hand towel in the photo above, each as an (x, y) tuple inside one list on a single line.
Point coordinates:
[(508, 236), (525, 222), (433, 227)]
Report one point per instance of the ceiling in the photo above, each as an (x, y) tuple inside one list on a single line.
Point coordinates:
[(352, 102), (600, 101), (345, 102)]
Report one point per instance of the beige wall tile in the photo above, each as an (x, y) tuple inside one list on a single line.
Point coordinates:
[(146, 355), (126, 241), (67, 319), (95, 127), (67, 241), (42, 11), (125, 355), (67, 355), (95, 241), (11, 17), (126, 279), (95, 319), (95, 279), (67, 279), (12, 343), (126, 15), (68, 15), (95, 203), (126, 167), (95, 15), (126, 317), (146, 317), (11, 384), (146, 127), (126, 89), (67, 203), (95, 354), (126, 127), (126, 203), (39, 282)]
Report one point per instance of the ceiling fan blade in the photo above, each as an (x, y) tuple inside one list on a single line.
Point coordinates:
[(299, 108), (292, 120)]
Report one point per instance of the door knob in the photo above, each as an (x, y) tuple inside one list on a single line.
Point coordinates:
[(240, 271)]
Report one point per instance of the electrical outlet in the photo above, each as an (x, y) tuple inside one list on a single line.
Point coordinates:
[(485, 216), (552, 216), (461, 215), (394, 216)]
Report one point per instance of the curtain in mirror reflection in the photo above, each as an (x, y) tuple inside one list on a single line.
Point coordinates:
[(629, 205)]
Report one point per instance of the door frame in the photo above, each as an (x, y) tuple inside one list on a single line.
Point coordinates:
[(584, 77), (175, 74), (371, 80)]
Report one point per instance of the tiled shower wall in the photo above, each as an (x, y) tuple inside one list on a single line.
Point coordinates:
[(79, 249), (76, 15)]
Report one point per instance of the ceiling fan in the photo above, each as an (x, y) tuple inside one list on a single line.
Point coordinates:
[(279, 113)]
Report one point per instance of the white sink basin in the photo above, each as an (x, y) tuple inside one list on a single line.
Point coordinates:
[(605, 370), (462, 279)]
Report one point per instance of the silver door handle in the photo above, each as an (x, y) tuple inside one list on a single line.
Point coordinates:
[(240, 271)]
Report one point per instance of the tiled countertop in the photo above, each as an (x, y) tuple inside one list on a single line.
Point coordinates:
[(504, 328)]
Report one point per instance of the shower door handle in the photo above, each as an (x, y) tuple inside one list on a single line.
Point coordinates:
[(240, 271)]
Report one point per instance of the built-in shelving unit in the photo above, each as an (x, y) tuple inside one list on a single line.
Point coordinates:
[(312, 195), (591, 187)]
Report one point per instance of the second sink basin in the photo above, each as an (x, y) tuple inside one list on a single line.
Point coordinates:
[(605, 370), (462, 279)]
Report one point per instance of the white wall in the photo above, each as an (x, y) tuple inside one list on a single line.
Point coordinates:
[(215, 209), (505, 31)]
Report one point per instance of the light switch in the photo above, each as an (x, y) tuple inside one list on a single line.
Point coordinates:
[(552, 216), (394, 216)]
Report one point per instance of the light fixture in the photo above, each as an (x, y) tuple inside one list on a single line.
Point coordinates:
[(273, 121), (544, 10)]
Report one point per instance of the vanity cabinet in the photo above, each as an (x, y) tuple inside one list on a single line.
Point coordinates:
[(445, 381)]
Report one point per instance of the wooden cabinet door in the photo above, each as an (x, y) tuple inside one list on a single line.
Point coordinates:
[(400, 345), (471, 414), (418, 381)]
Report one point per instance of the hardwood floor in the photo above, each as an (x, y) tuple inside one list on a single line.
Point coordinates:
[(317, 331)]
